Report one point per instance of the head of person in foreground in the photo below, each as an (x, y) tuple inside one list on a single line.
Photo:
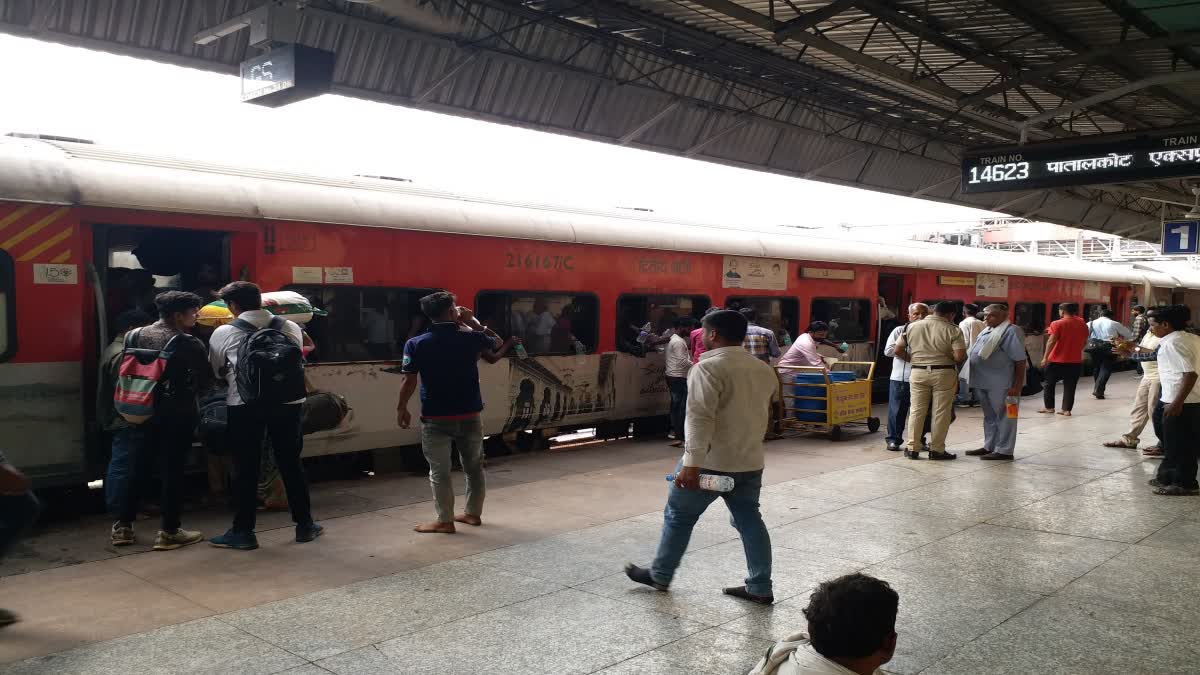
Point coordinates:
[(852, 621)]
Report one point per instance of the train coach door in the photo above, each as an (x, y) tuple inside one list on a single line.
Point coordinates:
[(130, 266), (896, 292)]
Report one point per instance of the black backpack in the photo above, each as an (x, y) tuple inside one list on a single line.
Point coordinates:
[(270, 367)]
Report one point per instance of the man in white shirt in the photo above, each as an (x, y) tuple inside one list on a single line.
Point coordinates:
[(1104, 328), (679, 362), (251, 422), (851, 630), (729, 394), (1178, 365), (1145, 354), (899, 394), (971, 327)]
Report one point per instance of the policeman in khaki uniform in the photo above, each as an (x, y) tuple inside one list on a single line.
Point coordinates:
[(934, 346)]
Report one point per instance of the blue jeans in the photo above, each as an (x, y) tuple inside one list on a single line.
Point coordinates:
[(899, 398), (438, 439), (17, 513), (966, 394), (678, 388), (125, 444), (684, 508)]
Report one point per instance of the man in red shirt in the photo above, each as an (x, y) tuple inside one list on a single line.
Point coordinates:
[(696, 339), (1063, 359)]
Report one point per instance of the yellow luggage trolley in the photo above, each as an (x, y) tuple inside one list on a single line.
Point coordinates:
[(821, 400)]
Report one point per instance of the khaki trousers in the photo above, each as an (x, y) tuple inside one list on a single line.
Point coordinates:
[(936, 386), (1147, 395)]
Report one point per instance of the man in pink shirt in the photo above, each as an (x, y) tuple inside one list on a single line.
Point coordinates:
[(803, 351), (696, 338)]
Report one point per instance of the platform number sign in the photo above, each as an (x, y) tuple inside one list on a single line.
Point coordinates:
[(1181, 237)]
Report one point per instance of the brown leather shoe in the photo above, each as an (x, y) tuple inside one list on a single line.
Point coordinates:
[(997, 456)]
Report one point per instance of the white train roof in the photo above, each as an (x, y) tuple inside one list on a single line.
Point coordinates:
[(84, 174)]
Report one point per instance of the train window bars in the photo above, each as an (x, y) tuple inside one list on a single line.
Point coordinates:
[(849, 319), (8, 308), (555, 322), (779, 314), (1030, 316), (363, 323), (655, 314)]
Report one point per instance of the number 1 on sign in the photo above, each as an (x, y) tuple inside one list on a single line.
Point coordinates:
[(1182, 231)]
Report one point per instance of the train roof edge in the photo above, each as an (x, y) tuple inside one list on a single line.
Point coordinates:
[(59, 172)]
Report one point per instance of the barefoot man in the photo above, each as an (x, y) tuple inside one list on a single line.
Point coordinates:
[(446, 359)]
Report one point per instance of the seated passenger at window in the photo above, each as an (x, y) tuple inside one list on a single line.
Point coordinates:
[(541, 325), (562, 339), (845, 326)]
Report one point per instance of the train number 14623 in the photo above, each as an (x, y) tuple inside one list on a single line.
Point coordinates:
[(998, 173)]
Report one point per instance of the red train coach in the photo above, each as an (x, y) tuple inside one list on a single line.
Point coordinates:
[(86, 232)]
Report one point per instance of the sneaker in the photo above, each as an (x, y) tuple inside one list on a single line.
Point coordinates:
[(306, 533), (122, 535), (169, 541), (8, 618), (642, 576), (242, 541)]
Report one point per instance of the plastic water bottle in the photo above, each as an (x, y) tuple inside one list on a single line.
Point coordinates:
[(521, 353), (710, 482), (845, 347), (580, 348), (1012, 405)]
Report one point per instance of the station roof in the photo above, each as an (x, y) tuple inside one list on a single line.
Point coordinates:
[(879, 94)]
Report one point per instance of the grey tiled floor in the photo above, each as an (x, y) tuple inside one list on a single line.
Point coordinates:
[(1060, 562)]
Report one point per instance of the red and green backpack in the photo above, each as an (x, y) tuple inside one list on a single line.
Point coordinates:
[(139, 377)]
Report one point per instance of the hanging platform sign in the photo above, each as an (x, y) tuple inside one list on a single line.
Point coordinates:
[(1093, 160)]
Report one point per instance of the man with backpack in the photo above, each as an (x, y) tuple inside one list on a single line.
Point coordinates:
[(260, 357), (162, 371)]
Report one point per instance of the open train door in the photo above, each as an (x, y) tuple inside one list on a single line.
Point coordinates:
[(896, 290), (130, 265)]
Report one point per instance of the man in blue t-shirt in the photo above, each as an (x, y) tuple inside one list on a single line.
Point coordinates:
[(446, 359)]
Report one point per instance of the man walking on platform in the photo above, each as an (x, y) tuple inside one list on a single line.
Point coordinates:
[(934, 346), (1104, 329), (447, 360), (998, 365), (729, 393), (260, 357), (1063, 359), (18, 510), (899, 395)]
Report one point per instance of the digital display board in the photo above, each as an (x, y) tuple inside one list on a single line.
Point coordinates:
[(286, 74), (1091, 160)]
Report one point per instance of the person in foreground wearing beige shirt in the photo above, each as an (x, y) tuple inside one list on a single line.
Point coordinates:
[(934, 346), (729, 395)]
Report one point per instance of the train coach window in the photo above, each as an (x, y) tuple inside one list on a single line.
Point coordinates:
[(1091, 311), (1030, 316), (781, 315), (657, 313), (547, 323), (849, 319), (363, 323), (8, 308)]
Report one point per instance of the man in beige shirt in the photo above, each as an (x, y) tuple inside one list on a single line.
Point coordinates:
[(934, 346)]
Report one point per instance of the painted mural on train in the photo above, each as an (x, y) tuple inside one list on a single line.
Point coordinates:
[(559, 390)]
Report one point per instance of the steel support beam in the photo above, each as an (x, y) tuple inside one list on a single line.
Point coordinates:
[(890, 72), (645, 126), (1033, 75), (807, 20), (1164, 79)]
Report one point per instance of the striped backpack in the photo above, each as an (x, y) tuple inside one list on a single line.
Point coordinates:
[(140, 378)]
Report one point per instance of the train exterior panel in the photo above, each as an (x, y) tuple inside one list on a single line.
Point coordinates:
[(72, 217)]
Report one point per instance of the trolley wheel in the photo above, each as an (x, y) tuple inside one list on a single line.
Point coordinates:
[(835, 433), (873, 424)]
